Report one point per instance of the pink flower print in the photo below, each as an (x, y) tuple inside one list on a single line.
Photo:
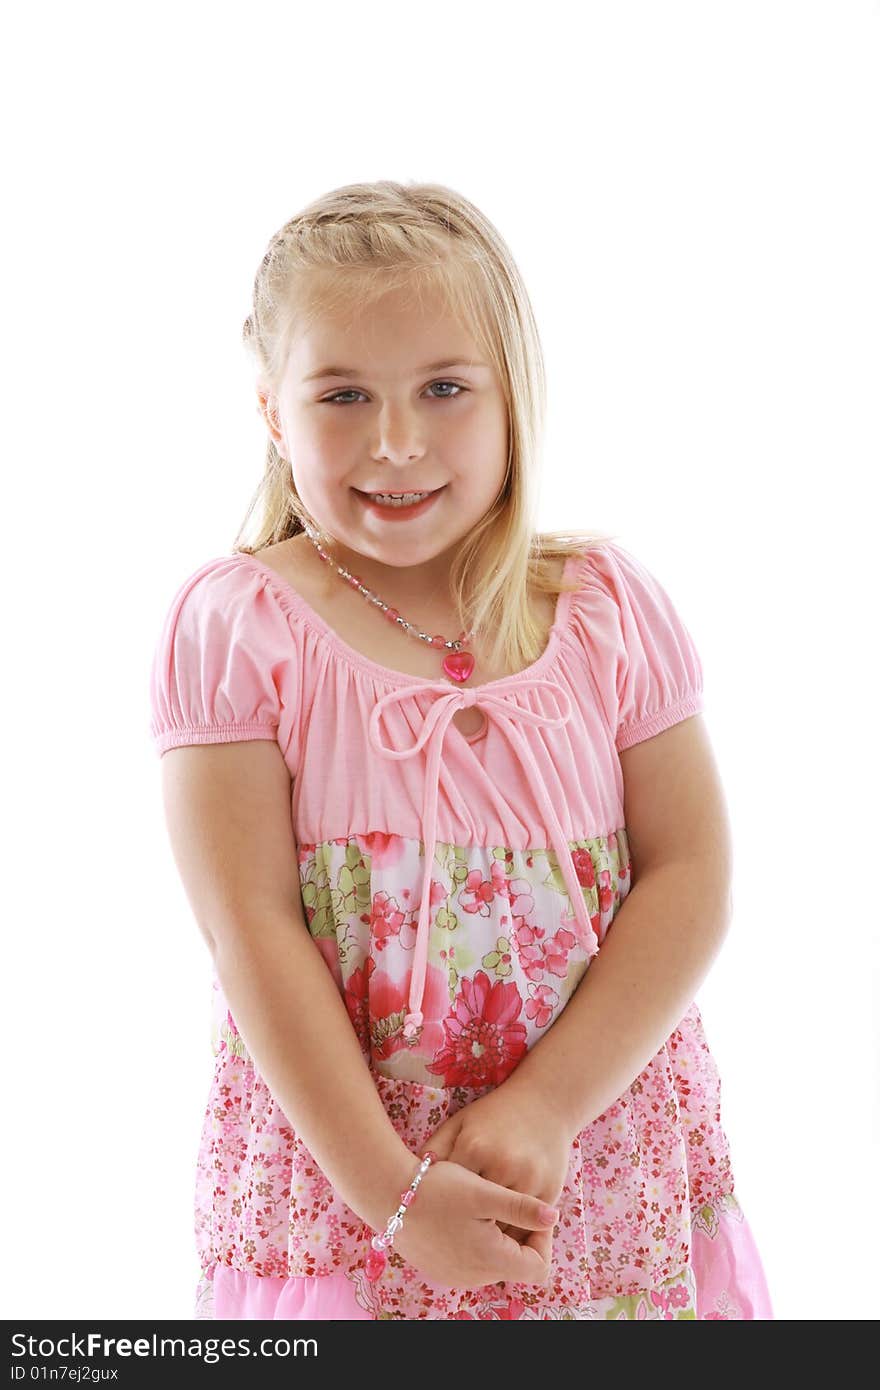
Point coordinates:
[(501, 882), (389, 1005), (476, 893), (409, 927), (386, 918), (513, 1308), (583, 867), (409, 930), (606, 892), (532, 961), (541, 1004), (556, 951), (669, 1299), (722, 1316), (527, 940), (526, 935), (522, 902), (385, 851), (484, 1037)]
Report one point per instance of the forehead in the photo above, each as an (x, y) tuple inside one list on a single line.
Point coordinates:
[(398, 336)]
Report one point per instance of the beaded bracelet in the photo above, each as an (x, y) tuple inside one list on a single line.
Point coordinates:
[(377, 1257)]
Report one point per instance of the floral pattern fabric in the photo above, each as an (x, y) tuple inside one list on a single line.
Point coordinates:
[(646, 1179)]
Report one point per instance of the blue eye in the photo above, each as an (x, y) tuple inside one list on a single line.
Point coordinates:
[(334, 399)]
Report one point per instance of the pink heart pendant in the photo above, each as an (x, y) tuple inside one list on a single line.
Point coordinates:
[(458, 665)]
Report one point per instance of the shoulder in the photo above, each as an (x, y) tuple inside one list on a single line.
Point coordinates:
[(642, 653), (235, 589), (225, 659), (612, 574), (224, 617), (606, 564), (221, 579)]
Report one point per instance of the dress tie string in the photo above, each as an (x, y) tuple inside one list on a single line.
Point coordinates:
[(506, 713)]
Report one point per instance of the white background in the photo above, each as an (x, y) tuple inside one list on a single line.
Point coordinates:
[(691, 191)]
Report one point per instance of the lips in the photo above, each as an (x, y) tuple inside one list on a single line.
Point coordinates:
[(390, 512), (398, 492)]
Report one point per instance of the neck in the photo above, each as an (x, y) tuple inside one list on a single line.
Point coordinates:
[(423, 588)]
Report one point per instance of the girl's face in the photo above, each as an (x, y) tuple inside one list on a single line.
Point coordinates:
[(400, 402)]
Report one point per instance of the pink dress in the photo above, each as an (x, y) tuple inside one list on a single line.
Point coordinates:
[(465, 881)]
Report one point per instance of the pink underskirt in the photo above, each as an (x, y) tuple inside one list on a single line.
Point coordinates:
[(729, 1275)]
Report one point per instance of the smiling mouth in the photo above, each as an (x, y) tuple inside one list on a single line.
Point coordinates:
[(408, 492)]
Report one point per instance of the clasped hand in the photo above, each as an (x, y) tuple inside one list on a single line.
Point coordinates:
[(513, 1139)]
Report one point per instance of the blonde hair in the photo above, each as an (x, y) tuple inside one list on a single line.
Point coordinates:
[(346, 250)]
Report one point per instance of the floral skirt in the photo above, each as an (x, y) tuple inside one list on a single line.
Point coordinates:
[(725, 1280)]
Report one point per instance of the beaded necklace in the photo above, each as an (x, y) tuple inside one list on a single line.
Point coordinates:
[(457, 663)]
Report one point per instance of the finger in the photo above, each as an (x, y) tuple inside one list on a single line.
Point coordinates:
[(442, 1142), (441, 1146), (521, 1209), (542, 1241), (532, 1261)]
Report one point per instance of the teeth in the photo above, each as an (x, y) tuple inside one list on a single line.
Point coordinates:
[(391, 499)]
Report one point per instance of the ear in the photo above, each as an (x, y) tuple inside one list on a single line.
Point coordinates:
[(268, 407)]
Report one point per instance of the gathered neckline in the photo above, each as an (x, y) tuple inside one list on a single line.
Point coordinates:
[(352, 657)]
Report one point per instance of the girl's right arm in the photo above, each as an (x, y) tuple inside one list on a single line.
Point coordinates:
[(227, 807), (228, 811)]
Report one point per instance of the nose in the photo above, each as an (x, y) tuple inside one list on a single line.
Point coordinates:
[(398, 435)]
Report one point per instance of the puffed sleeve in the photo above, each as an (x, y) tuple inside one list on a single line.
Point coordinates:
[(643, 658), (224, 666)]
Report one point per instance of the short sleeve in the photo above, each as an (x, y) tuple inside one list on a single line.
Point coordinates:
[(643, 658), (224, 666)]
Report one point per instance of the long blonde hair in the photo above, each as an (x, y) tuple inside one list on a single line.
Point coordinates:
[(348, 249)]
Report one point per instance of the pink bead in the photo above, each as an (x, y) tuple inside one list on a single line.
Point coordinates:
[(392, 615), (438, 642), (375, 1263), (407, 1197)]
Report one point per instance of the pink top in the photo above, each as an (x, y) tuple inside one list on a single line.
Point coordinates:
[(242, 655), (458, 887), (639, 672)]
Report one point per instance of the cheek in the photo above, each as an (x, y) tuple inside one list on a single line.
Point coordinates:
[(320, 472)]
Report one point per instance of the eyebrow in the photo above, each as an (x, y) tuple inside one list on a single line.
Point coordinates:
[(343, 372)]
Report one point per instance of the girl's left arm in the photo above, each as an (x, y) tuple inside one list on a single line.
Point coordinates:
[(662, 942)]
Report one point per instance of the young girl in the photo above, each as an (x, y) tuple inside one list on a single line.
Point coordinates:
[(458, 1069)]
